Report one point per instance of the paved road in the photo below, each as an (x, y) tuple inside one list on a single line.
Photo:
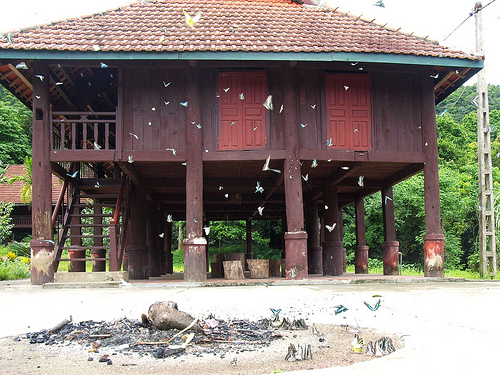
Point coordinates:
[(448, 327)]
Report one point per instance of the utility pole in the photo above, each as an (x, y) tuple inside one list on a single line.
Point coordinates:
[(487, 240)]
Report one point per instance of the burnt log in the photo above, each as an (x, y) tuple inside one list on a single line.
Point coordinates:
[(164, 315)]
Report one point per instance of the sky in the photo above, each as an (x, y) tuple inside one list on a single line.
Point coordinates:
[(433, 18)]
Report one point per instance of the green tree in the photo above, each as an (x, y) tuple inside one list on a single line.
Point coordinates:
[(26, 178), (5, 220), (15, 141)]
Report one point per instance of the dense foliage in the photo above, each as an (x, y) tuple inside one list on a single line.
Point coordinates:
[(15, 129)]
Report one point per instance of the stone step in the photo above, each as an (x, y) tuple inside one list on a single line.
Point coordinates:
[(90, 277)]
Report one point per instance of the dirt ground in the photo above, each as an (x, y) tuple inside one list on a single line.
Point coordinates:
[(331, 347)]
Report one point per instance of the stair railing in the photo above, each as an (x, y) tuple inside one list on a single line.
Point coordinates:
[(59, 203), (116, 251)]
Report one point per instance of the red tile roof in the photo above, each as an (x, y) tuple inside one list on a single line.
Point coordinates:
[(225, 25), (12, 193)]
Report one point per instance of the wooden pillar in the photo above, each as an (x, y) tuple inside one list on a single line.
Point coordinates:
[(100, 265), (195, 245), (361, 250), (42, 251), (296, 237), (248, 252), (152, 240), (137, 249), (206, 234), (168, 248), (341, 229), (390, 247), (76, 252), (333, 246), (433, 238), (314, 250)]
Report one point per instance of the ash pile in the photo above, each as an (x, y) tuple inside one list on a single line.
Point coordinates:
[(165, 331)]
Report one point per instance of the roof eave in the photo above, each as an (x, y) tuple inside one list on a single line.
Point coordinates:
[(360, 57)]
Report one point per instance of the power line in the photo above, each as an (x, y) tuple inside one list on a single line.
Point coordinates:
[(474, 11)]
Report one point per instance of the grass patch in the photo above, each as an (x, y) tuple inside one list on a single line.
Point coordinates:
[(14, 269)]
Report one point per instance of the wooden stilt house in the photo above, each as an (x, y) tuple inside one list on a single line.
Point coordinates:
[(174, 109)]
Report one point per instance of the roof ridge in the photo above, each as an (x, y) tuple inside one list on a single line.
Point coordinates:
[(374, 22)]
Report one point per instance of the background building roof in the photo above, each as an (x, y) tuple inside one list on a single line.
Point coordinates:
[(12, 193)]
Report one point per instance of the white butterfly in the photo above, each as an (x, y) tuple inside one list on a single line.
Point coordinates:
[(266, 166), (226, 90), (173, 150), (260, 209), (191, 21), (258, 188), (331, 227), (242, 97), (169, 218), (134, 135), (306, 177), (361, 181), (314, 163), (96, 146), (130, 159), (268, 104), (207, 230), (184, 104), (166, 84), (162, 235)]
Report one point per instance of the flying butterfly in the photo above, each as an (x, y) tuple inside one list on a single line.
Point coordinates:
[(340, 309), (374, 307), (191, 21), (276, 313), (266, 166), (268, 104), (258, 188), (330, 227)]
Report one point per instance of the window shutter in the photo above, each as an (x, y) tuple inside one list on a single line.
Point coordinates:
[(348, 111), (242, 121)]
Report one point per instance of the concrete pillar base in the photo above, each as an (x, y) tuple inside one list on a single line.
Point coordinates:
[(98, 265), (315, 259), (295, 255), (361, 259), (195, 259), (42, 261), (391, 257), (333, 258), (434, 255), (77, 266)]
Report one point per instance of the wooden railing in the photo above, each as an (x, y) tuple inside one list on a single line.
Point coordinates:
[(83, 130), (117, 237), (21, 221), (60, 201)]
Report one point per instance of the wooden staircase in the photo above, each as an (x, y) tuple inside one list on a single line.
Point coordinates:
[(88, 227)]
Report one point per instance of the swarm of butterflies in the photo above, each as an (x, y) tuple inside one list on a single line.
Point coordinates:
[(284, 323)]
